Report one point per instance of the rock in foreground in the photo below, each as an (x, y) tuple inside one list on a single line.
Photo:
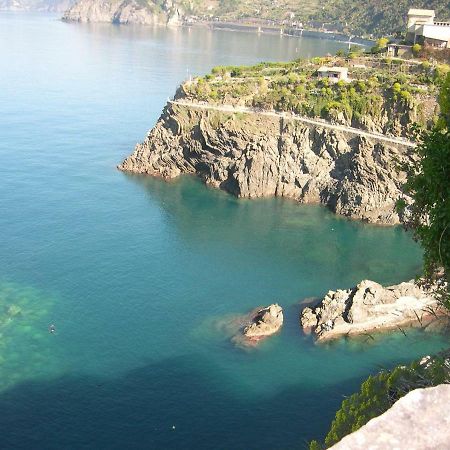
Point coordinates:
[(419, 420), (370, 307), (265, 322)]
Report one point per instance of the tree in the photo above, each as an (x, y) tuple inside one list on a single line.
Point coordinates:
[(429, 186), (416, 48), (381, 45)]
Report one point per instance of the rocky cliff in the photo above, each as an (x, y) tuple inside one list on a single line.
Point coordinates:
[(124, 11), (257, 155)]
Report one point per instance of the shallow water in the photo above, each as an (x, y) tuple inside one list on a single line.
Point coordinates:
[(137, 275)]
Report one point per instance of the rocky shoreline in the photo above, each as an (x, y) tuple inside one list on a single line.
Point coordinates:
[(255, 155), (124, 12), (370, 307), (362, 310)]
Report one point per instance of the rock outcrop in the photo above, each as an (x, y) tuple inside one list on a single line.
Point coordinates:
[(257, 155), (419, 420), (124, 12), (265, 322), (370, 307)]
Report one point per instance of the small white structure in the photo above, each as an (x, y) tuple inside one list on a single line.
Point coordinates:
[(333, 74), (417, 18), (436, 35), (422, 29)]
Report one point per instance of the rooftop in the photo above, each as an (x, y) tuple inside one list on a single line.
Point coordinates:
[(421, 12), (333, 69)]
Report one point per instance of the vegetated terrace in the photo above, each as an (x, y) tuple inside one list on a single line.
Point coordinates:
[(391, 96)]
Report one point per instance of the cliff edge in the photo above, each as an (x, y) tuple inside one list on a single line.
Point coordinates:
[(280, 129), (254, 155)]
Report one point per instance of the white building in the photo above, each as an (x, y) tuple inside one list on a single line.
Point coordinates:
[(422, 29), (334, 74)]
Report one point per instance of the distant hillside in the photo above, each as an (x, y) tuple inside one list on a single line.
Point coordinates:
[(378, 17), (35, 5), (361, 17)]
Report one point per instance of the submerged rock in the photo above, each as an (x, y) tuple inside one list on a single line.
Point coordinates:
[(371, 307), (265, 322)]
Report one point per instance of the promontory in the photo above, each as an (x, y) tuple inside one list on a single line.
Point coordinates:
[(327, 130)]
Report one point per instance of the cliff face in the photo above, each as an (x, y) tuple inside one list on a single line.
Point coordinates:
[(256, 155), (123, 12)]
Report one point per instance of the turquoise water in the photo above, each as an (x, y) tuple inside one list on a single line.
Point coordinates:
[(142, 277)]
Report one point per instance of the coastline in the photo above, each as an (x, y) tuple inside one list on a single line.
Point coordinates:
[(369, 307), (233, 26), (282, 31)]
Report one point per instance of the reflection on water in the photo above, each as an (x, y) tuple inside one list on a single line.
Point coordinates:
[(306, 238)]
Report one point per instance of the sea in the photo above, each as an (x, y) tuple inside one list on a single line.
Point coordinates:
[(120, 294)]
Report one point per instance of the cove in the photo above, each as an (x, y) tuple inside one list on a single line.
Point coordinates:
[(139, 276)]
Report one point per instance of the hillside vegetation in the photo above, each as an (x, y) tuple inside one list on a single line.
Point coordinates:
[(377, 17), (363, 18), (379, 392), (382, 95)]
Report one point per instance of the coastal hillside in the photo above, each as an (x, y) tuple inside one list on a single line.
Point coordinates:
[(283, 130), (124, 12), (376, 17)]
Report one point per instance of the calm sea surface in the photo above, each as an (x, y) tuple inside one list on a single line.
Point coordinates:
[(141, 278)]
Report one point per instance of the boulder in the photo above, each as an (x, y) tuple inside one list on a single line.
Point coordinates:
[(371, 307), (265, 322)]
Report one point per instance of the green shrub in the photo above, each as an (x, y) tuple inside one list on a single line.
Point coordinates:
[(416, 48), (378, 393)]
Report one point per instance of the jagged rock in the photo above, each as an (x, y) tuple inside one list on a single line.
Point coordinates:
[(256, 155), (265, 322), (123, 12), (419, 420), (370, 307)]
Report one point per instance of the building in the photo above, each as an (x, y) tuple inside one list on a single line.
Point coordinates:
[(417, 18), (422, 29), (399, 51), (333, 74)]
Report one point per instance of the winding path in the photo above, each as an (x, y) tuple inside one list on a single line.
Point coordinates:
[(291, 116)]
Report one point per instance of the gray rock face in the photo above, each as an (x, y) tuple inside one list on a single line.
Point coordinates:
[(123, 12), (370, 307), (266, 322), (418, 421), (255, 155)]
